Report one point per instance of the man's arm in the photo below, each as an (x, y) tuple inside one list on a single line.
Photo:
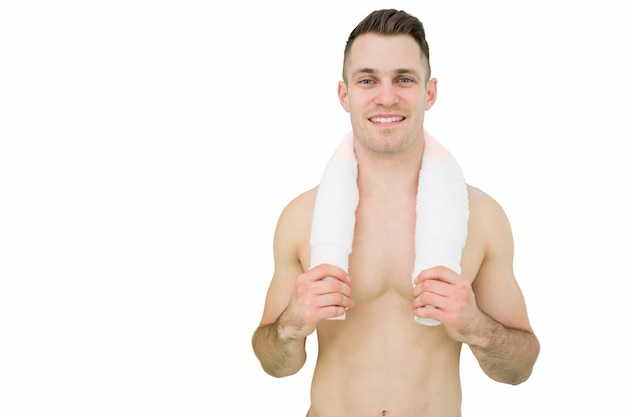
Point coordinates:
[(281, 353), (296, 300), (502, 341), (489, 313)]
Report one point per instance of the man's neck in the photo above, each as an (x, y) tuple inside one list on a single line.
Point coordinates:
[(388, 174)]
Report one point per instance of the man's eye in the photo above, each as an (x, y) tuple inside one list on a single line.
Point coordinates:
[(405, 80), (366, 82)]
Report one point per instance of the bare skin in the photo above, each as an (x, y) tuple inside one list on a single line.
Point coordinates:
[(378, 361)]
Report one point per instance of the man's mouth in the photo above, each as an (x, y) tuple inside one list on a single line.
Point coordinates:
[(386, 120)]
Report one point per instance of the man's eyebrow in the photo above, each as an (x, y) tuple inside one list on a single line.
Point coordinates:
[(402, 71), (363, 71)]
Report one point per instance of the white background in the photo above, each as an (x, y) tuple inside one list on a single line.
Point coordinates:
[(148, 147)]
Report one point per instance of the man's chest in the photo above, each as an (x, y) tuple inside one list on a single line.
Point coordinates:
[(383, 252)]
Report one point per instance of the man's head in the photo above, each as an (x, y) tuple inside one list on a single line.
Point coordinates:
[(390, 22), (386, 84)]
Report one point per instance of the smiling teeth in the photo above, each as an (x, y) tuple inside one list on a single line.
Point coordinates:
[(386, 119)]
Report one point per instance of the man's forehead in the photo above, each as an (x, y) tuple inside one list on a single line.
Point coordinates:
[(376, 54)]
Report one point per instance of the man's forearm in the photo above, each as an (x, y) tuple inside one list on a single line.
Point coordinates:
[(279, 355), (506, 355)]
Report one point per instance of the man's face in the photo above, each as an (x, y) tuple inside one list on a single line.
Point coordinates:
[(386, 91)]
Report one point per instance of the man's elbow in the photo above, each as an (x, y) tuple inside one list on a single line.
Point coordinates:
[(273, 363), (525, 370), (277, 372), (280, 368), (512, 377)]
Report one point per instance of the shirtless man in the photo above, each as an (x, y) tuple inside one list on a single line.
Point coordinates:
[(379, 361)]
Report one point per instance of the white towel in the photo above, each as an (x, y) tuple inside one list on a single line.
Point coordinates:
[(442, 211)]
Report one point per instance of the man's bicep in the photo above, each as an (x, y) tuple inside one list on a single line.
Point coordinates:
[(498, 294), (497, 291)]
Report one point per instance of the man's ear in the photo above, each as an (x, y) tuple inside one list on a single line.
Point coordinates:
[(431, 93), (342, 93)]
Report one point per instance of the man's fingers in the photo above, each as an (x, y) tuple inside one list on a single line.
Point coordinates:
[(325, 271), (439, 273)]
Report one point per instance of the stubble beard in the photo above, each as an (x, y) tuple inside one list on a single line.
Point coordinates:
[(389, 141)]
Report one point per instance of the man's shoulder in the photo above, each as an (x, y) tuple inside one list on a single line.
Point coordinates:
[(294, 226), (487, 216), (480, 200), (303, 201), (299, 209)]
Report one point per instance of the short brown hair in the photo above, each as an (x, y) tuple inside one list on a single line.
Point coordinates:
[(390, 22)]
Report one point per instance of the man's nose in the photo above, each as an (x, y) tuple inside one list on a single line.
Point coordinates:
[(387, 95)]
